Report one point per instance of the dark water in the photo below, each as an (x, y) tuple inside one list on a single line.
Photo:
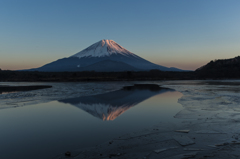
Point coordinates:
[(46, 130)]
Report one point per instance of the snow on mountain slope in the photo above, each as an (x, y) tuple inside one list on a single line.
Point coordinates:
[(103, 48)]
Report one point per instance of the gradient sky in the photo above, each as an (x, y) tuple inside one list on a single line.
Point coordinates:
[(174, 33)]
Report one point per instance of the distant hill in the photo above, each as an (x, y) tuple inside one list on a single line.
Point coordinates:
[(222, 68)]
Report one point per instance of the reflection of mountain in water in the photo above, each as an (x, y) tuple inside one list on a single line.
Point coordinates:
[(110, 105)]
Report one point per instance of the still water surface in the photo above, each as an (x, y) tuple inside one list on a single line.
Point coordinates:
[(48, 129)]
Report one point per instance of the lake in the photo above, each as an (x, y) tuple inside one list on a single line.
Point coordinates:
[(46, 130)]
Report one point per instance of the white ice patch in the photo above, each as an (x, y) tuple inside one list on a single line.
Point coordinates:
[(208, 102)]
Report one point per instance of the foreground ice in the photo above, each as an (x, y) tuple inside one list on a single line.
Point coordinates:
[(211, 116), (210, 120)]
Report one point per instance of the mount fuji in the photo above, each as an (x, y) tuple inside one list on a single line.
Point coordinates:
[(103, 56)]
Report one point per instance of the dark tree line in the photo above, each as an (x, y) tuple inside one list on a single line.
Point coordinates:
[(93, 76)]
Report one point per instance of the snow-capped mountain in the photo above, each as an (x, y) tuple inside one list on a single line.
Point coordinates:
[(103, 48), (103, 56)]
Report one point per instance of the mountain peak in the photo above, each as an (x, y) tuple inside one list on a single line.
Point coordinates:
[(102, 48)]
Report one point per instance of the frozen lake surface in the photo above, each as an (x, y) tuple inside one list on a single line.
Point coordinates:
[(92, 119), (70, 116)]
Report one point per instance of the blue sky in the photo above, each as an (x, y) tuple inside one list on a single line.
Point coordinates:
[(175, 33)]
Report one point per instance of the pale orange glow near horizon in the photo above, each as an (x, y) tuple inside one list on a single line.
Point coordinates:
[(185, 66), (20, 65)]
